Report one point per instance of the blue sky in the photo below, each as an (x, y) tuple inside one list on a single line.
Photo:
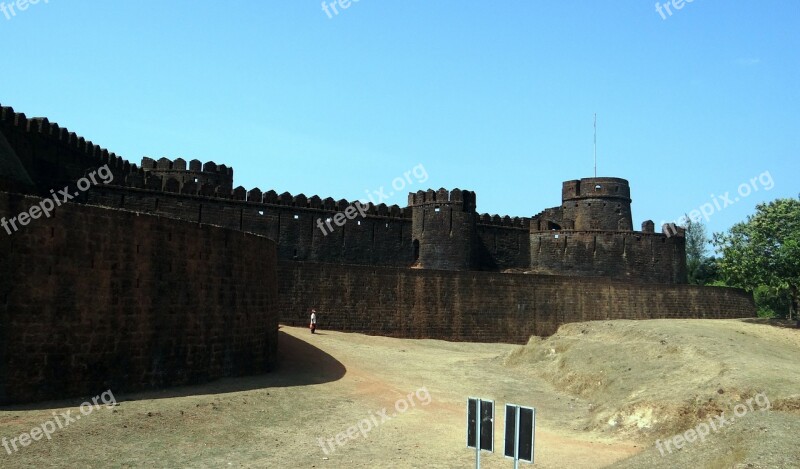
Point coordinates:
[(495, 97)]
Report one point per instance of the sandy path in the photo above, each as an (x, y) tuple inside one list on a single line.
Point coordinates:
[(381, 371)]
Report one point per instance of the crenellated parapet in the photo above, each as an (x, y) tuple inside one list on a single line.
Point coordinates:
[(315, 202), (504, 221), (597, 187), (179, 164), (464, 200), (39, 143), (195, 174)]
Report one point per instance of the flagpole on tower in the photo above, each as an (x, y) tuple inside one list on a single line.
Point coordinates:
[(595, 144)]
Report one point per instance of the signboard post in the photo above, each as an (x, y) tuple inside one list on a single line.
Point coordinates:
[(480, 427), (519, 433)]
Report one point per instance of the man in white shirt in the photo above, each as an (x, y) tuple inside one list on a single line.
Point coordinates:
[(313, 321)]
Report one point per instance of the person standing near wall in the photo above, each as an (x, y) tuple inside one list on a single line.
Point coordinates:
[(313, 325)]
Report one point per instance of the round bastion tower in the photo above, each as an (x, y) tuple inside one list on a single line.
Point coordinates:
[(597, 204), (591, 234), (443, 229)]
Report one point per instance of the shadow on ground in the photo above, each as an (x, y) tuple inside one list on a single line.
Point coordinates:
[(785, 323), (299, 364)]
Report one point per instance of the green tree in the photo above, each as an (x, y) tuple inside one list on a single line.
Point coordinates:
[(770, 303), (763, 253), (698, 264), (707, 272)]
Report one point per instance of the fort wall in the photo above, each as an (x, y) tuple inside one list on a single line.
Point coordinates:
[(383, 237), (96, 299), (482, 306), (503, 243), (643, 257)]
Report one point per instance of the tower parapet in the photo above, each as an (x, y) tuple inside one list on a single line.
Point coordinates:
[(198, 174), (462, 200)]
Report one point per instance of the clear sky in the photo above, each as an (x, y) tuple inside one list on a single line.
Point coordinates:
[(494, 97)]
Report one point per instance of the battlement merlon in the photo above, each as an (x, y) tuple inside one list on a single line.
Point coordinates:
[(671, 229)]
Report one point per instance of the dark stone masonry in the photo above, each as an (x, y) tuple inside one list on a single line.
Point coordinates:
[(97, 299), (171, 275)]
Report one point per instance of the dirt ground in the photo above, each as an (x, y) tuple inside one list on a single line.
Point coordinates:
[(604, 393)]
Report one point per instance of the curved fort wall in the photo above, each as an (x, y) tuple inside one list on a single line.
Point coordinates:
[(98, 299), (382, 238)]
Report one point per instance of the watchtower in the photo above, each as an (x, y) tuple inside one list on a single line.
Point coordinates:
[(443, 229), (597, 204)]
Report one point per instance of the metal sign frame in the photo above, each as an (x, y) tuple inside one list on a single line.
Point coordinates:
[(516, 436), (479, 415), (479, 427)]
